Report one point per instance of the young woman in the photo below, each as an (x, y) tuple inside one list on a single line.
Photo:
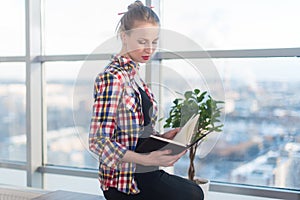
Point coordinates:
[(124, 112)]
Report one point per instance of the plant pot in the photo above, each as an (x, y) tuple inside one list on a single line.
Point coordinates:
[(204, 184)]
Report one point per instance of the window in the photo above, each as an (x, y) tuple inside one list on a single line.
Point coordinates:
[(79, 27), (12, 26), (12, 177), (260, 140), (66, 138), (71, 183), (12, 111), (235, 24)]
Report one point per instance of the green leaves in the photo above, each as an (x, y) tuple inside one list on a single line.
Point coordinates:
[(196, 102), (209, 120)]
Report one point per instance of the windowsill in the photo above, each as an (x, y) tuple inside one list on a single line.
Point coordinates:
[(228, 196)]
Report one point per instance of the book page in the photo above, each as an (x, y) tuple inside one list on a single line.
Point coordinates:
[(168, 140), (185, 134)]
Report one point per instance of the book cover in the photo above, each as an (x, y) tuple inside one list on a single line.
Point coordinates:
[(178, 144)]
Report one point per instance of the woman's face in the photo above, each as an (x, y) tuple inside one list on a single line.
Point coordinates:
[(140, 43)]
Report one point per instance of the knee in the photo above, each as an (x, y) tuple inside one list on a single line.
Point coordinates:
[(197, 193)]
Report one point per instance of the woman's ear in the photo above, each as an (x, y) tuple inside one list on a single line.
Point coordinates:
[(123, 37)]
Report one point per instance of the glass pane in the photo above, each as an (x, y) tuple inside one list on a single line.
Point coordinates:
[(80, 26), (235, 24), (12, 111), (69, 98), (72, 183), (13, 177), (12, 26), (260, 143)]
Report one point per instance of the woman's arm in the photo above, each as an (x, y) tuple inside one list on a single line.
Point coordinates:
[(155, 158), (107, 93)]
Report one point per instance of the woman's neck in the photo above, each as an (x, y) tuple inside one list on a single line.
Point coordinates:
[(124, 53)]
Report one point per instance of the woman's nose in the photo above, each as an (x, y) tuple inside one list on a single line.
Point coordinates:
[(149, 49)]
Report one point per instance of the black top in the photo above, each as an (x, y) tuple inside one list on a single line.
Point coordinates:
[(147, 108)]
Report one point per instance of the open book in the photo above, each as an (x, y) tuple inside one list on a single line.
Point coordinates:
[(181, 142)]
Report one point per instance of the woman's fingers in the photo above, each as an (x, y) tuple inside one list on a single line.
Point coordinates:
[(179, 156), (165, 159), (171, 133)]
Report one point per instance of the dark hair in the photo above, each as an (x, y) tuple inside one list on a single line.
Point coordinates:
[(137, 12)]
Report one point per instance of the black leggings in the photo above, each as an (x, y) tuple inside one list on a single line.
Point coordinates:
[(159, 185)]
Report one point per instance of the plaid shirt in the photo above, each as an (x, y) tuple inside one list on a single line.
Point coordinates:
[(117, 122)]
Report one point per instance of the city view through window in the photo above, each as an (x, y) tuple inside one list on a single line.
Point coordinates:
[(259, 145)]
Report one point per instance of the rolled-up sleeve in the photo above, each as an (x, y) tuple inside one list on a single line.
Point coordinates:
[(107, 94)]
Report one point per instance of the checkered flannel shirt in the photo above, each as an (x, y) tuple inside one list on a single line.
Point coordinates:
[(116, 123)]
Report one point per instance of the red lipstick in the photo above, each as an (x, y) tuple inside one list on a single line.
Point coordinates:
[(146, 57)]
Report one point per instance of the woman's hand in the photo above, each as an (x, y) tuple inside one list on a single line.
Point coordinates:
[(162, 158), (170, 134)]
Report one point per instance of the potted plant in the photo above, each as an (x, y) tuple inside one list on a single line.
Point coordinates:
[(208, 122)]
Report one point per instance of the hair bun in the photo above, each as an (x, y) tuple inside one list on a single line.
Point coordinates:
[(135, 4)]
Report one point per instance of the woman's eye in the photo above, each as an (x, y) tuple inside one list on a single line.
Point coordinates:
[(141, 41)]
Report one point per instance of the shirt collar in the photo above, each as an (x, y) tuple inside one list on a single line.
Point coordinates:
[(127, 64)]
